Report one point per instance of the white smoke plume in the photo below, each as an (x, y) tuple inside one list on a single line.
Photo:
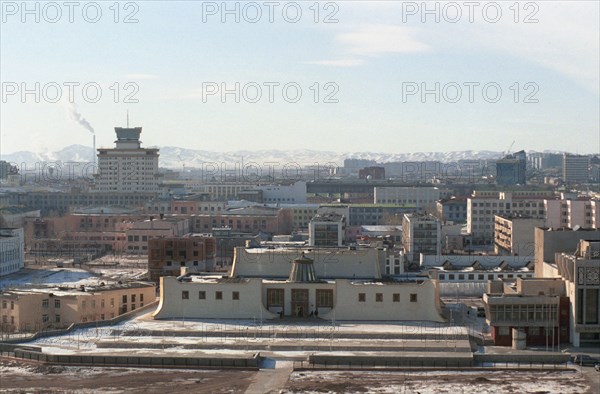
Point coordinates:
[(78, 118)]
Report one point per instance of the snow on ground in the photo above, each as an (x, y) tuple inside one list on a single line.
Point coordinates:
[(72, 277), (484, 382)]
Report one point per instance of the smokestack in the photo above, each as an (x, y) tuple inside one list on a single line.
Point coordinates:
[(94, 151)]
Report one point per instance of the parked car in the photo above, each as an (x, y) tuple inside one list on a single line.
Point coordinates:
[(584, 359)]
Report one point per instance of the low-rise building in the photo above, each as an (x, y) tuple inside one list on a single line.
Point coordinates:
[(12, 250), (534, 311), (26, 310), (333, 284)]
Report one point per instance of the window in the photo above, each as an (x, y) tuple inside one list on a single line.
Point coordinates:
[(56, 303), (396, 297), (102, 316), (451, 276), (45, 319), (83, 304), (274, 297), (378, 297), (362, 297), (125, 299), (4, 319), (141, 297), (133, 298), (57, 319), (413, 297), (461, 276), (480, 276), (185, 295), (324, 298), (112, 302), (3, 304), (218, 295), (503, 331), (201, 295), (442, 276), (471, 276), (102, 303), (534, 331), (235, 295), (45, 303)]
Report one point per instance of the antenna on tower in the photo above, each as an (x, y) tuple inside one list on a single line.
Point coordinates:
[(127, 118)]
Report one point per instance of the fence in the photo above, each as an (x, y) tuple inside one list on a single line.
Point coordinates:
[(159, 361), (424, 365)]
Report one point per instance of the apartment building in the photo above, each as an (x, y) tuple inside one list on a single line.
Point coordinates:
[(26, 310), (326, 230), (514, 234), (142, 231), (420, 197), (572, 211), (482, 206), (576, 168), (452, 210), (421, 234), (251, 219), (167, 255)]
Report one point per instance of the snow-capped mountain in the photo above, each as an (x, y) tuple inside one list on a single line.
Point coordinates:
[(178, 158)]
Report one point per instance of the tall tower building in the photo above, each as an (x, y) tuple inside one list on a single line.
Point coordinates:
[(128, 167), (576, 168)]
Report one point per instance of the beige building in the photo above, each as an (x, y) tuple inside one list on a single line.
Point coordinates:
[(336, 284), (482, 206), (128, 167), (514, 234), (581, 273), (421, 234), (37, 309)]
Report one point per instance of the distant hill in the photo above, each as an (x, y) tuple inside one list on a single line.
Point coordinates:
[(176, 157)]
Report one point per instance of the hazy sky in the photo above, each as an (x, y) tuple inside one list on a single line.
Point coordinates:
[(374, 61)]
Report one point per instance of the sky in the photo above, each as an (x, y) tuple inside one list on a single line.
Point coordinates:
[(345, 76)]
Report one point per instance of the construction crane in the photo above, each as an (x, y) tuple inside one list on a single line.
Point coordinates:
[(509, 148)]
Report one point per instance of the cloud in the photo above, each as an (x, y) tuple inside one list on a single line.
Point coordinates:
[(338, 63), (375, 40), (141, 76)]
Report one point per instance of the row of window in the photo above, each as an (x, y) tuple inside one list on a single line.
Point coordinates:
[(362, 297), (482, 276), (185, 295)]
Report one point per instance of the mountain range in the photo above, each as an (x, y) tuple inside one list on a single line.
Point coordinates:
[(180, 158)]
